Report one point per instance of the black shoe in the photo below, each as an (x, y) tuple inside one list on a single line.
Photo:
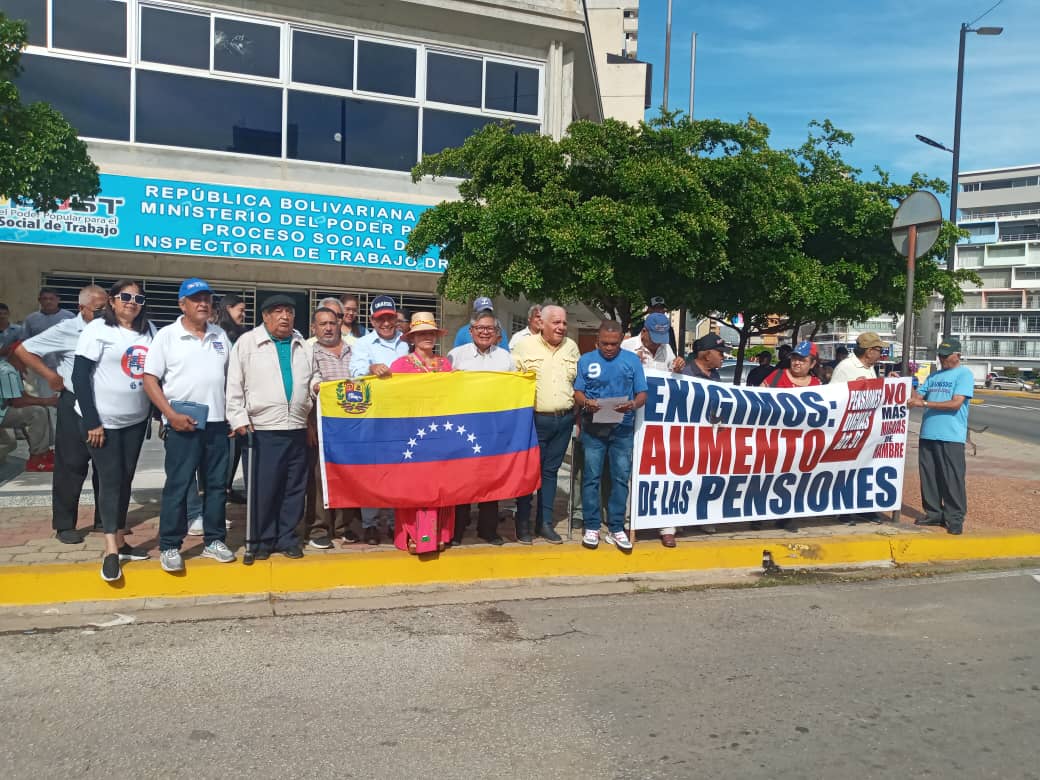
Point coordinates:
[(69, 537), (524, 539), (110, 571), (954, 531), (234, 497), (261, 555), (548, 533), (128, 553), (320, 543), (498, 541), (293, 552)]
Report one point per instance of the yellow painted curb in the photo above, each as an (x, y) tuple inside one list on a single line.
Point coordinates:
[(1008, 393), (57, 583)]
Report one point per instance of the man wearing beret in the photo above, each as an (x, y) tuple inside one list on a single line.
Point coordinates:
[(270, 375)]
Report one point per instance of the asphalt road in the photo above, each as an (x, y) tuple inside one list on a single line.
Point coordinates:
[(1018, 418), (892, 679)]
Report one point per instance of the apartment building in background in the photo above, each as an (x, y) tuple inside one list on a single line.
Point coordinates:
[(999, 323), (624, 80)]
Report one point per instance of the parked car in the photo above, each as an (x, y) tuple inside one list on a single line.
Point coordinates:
[(999, 382)]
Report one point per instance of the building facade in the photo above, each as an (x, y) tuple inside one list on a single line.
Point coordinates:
[(625, 81), (999, 322), (265, 145)]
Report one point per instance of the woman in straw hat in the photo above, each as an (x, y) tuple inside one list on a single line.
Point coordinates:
[(436, 523)]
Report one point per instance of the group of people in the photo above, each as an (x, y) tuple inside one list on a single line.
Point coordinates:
[(223, 391)]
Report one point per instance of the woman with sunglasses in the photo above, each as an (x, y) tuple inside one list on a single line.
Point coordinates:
[(114, 410)]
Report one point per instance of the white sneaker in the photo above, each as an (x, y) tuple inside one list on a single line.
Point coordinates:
[(218, 551), (620, 539), (195, 527), (590, 539), (171, 560)]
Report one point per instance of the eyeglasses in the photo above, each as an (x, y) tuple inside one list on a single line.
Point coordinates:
[(484, 328), (351, 310), (126, 297)]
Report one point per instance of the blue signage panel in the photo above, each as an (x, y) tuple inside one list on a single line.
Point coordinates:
[(242, 223)]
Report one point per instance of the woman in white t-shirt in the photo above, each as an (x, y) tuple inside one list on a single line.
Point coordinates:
[(114, 410)]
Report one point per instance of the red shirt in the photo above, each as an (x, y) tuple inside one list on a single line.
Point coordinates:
[(784, 380)]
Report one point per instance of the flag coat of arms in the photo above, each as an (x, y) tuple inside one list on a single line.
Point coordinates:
[(428, 440)]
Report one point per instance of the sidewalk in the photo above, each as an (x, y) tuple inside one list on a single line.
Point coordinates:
[(1003, 522)]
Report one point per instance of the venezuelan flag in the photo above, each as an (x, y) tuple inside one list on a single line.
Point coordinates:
[(428, 440)]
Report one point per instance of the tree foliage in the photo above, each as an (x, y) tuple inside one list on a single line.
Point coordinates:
[(703, 212), (41, 159)]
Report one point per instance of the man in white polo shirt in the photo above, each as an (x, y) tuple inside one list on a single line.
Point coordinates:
[(190, 359)]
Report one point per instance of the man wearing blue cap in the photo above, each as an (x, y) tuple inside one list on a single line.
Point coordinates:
[(463, 335), (652, 344), (373, 354), (184, 377)]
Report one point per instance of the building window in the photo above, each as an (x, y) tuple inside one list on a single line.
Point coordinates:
[(456, 80), (206, 113), (246, 47), (94, 98), (511, 88), (94, 26), (175, 38), (33, 13), (386, 69), (445, 130), (196, 78), (323, 60)]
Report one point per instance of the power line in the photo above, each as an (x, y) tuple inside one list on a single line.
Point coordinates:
[(972, 23)]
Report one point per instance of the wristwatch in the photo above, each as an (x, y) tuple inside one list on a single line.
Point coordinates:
[(925, 404)]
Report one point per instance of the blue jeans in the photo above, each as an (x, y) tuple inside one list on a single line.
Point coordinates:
[(204, 453), (195, 507), (554, 434), (618, 449)]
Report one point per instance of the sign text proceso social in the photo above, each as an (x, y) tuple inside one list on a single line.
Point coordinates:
[(148, 215)]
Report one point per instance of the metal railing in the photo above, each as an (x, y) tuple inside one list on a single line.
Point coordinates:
[(1020, 237), (999, 214)]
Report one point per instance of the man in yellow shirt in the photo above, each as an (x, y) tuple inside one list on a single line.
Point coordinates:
[(554, 360)]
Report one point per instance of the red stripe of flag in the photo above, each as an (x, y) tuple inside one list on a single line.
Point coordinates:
[(436, 484)]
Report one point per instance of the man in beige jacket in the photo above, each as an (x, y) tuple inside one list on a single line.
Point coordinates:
[(268, 394)]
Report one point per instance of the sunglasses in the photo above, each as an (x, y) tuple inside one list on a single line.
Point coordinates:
[(126, 297)]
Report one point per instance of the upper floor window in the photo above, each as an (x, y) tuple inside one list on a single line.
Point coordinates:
[(33, 13), (90, 26)]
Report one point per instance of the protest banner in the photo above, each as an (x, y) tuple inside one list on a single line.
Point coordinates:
[(428, 440), (711, 453)]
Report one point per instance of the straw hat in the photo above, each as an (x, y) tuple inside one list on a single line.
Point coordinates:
[(424, 322)]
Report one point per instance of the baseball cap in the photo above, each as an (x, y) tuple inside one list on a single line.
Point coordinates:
[(657, 300), (711, 341), (950, 346), (483, 304), (805, 349), (191, 286), (659, 327), (870, 339), (277, 300), (383, 304)]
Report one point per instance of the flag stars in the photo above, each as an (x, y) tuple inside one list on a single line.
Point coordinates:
[(434, 428), (421, 433), (407, 454), (412, 442), (471, 438), (461, 429), (447, 425), (476, 448)]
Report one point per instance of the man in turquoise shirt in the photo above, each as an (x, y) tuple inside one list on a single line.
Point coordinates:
[(945, 398)]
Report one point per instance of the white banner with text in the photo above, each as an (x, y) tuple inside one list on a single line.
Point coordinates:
[(707, 452)]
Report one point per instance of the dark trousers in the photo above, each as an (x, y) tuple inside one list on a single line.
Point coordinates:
[(116, 462), (554, 434), (280, 472), (943, 492), (71, 461), (487, 520), (204, 453)]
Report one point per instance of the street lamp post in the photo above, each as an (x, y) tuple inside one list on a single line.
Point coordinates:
[(956, 152)]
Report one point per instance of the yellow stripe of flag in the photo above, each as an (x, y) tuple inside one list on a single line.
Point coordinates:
[(419, 395)]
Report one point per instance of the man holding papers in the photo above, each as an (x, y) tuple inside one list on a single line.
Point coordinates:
[(610, 385)]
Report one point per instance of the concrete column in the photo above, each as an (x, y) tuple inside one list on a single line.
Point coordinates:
[(554, 89)]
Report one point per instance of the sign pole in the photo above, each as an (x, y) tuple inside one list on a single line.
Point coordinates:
[(909, 313)]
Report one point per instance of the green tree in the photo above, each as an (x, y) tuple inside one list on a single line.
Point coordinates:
[(704, 212), (41, 158)]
